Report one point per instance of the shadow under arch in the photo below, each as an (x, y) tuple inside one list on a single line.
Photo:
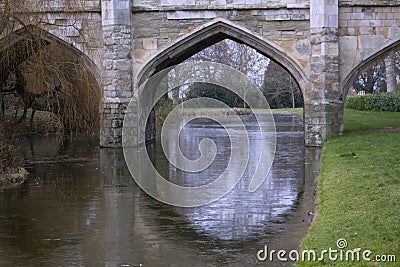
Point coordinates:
[(378, 55), (30, 38), (212, 33)]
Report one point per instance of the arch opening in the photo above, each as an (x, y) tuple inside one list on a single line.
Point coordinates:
[(211, 34), (276, 84), (40, 72), (369, 67)]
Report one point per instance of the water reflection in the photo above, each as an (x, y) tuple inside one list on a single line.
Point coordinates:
[(239, 215), (91, 212)]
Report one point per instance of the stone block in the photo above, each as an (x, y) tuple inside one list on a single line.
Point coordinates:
[(344, 15), (357, 16), (177, 2), (375, 23), (343, 23), (139, 54), (253, 2), (122, 64), (117, 134), (150, 43), (389, 23), (358, 23), (108, 65), (116, 123)]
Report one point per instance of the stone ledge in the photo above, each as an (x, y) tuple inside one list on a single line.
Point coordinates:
[(66, 11), (379, 3), (116, 100), (224, 7)]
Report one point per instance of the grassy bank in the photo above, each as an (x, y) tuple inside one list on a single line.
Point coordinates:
[(358, 191), (355, 120)]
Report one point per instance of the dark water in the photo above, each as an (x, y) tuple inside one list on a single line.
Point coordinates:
[(81, 207)]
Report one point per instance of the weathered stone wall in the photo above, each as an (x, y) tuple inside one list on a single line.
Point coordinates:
[(364, 30), (84, 34), (368, 2), (218, 4), (155, 30), (78, 23)]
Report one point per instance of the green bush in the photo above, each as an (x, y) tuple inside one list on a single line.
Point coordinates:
[(375, 102), (356, 102)]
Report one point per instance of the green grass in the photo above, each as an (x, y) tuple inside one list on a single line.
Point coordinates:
[(358, 191), (355, 120)]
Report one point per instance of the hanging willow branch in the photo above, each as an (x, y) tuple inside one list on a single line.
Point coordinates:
[(49, 76)]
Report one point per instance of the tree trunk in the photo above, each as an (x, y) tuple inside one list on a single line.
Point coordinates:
[(390, 73), (292, 91)]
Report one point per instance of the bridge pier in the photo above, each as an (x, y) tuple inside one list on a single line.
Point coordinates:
[(117, 69), (322, 120), (323, 108)]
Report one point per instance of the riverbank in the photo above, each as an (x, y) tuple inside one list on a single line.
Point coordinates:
[(11, 172), (12, 177), (358, 192), (43, 123), (297, 111)]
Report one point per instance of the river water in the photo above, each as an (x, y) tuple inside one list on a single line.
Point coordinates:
[(80, 206)]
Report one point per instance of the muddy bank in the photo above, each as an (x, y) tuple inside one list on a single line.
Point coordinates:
[(12, 177)]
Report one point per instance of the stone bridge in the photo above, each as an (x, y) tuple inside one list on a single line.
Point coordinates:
[(324, 44)]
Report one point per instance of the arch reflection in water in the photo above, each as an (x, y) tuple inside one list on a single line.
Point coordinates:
[(239, 214)]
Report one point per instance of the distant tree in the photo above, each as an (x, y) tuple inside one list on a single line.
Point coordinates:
[(214, 91), (280, 88), (238, 56), (384, 76), (390, 71), (396, 62), (397, 66), (372, 80)]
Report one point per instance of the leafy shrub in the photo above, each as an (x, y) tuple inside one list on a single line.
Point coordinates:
[(356, 102), (375, 102)]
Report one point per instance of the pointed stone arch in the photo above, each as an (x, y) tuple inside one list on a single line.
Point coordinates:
[(368, 61), (30, 41), (39, 37), (209, 34)]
